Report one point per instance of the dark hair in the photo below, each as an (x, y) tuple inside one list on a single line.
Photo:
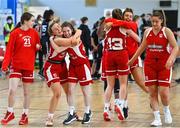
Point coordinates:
[(83, 19), (47, 15), (26, 17), (68, 24), (136, 17), (117, 14), (102, 18), (161, 16), (51, 12), (18, 25), (142, 15), (9, 18), (39, 17), (95, 25), (128, 10)]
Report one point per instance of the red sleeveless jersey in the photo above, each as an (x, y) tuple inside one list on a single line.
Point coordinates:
[(53, 55), (157, 45), (115, 39), (77, 54)]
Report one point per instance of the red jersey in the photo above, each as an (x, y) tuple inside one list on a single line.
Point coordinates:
[(132, 45), (157, 45), (53, 55), (21, 49), (77, 54), (120, 23), (115, 39)]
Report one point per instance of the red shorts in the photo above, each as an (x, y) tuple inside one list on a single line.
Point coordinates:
[(26, 75), (80, 73), (116, 63), (157, 75), (137, 63), (55, 73)]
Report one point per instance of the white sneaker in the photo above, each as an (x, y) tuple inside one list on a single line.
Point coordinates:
[(168, 117), (156, 123), (49, 122)]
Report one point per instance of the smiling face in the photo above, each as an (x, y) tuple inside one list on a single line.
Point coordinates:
[(56, 29), (128, 16), (67, 32)]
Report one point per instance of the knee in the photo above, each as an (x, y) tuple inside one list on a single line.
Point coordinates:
[(70, 91), (57, 95), (11, 92), (164, 95), (153, 94), (26, 93)]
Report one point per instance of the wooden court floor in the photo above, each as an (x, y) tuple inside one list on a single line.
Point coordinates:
[(140, 114)]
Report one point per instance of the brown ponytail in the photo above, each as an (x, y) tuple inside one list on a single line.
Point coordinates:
[(117, 13)]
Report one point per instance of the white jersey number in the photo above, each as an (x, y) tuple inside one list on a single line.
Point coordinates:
[(27, 41), (115, 43)]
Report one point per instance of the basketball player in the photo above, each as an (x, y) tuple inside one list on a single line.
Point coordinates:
[(161, 52)]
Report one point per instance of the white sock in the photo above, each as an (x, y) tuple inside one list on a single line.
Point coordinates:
[(121, 103), (87, 108), (50, 115), (166, 108), (71, 109), (26, 111), (106, 106), (157, 115), (10, 109), (116, 101), (126, 103)]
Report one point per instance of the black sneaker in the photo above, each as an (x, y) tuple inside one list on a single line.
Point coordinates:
[(40, 74), (177, 80), (125, 110), (87, 117), (70, 118)]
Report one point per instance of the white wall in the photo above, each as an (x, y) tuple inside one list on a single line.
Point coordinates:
[(67, 9)]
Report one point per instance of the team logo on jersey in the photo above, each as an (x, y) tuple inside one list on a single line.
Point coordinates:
[(20, 35), (160, 35), (27, 41)]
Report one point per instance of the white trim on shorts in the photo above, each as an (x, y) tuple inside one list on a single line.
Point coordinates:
[(63, 80), (170, 77), (74, 78), (49, 74), (87, 73), (52, 79), (28, 77), (151, 80), (16, 73), (123, 70)]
